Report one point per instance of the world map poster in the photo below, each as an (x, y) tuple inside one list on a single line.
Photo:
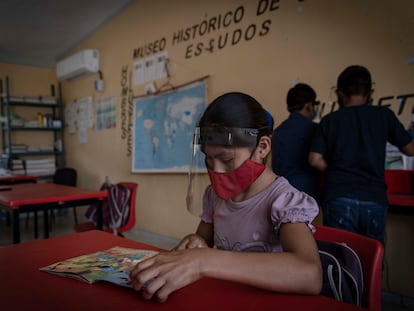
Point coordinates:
[(164, 127)]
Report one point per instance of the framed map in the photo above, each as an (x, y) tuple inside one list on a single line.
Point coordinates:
[(163, 129)]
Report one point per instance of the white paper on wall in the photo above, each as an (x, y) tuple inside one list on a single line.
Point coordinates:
[(70, 117), (139, 72), (105, 113)]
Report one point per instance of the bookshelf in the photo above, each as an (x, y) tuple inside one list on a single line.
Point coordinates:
[(43, 121)]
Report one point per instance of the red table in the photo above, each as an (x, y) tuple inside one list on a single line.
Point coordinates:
[(17, 179), (24, 287), (34, 197), (401, 199), (13, 180), (401, 203)]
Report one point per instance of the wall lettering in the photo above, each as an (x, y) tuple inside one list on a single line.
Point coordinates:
[(227, 39), (401, 99), (150, 48), (209, 26), (266, 5), (327, 107), (127, 107)]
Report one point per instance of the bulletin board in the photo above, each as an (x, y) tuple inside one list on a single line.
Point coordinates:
[(164, 127)]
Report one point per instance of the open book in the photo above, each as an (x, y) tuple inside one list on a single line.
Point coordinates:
[(112, 265)]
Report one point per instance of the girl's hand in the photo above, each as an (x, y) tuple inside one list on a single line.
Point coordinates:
[(191, 241), (166, 272)]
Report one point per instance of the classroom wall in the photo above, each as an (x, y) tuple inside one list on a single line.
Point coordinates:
[(28, 80), (308, 41)]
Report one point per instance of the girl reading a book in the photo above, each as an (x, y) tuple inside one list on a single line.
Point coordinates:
[(255, 227)]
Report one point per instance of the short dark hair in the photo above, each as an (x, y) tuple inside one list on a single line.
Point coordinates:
[(354, 80), (299, 95)]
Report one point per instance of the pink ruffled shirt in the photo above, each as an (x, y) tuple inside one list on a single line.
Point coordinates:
[(253, 225)]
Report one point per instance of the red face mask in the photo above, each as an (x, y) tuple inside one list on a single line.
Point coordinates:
[(229, 184)]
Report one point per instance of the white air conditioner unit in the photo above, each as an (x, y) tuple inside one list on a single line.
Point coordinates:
[(79, 64)]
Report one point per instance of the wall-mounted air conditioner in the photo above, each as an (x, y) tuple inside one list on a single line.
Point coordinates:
[(77, 65)]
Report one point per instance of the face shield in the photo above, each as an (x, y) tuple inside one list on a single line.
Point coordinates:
[(221, 151)]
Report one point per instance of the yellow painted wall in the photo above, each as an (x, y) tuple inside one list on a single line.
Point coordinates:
[(28, 80), (310, 41)]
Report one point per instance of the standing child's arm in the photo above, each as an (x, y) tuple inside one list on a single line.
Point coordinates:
[(317, 161)]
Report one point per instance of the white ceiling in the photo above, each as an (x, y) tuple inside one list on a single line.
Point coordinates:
[(40, 32)]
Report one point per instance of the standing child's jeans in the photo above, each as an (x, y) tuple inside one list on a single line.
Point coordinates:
[(363, 217)]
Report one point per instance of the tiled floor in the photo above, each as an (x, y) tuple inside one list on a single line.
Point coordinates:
[(395, 302), (63, 224)]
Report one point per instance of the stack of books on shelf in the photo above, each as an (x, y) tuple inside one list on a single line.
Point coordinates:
[(31, 123), (16, 97), (46, 148), (41, 167), (17, 148), (18, 167), (16, 122), (40, 148), (31, 99), (45, 99)]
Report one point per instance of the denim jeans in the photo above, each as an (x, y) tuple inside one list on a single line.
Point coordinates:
[(363, 217)]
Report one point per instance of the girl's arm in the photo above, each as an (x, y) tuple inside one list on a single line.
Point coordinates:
[(296, 270), (202, 238)]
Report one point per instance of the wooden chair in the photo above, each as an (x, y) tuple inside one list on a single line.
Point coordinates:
[(370, 252), (130, 223)]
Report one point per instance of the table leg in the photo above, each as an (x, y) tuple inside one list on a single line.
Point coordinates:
[(36, 227), (16, 226), (99, 215), (46, 222), (8, 221)]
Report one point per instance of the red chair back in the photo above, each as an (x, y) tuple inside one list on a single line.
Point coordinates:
[(370, 252), (133, 187), (89, 225), (399, 181)]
